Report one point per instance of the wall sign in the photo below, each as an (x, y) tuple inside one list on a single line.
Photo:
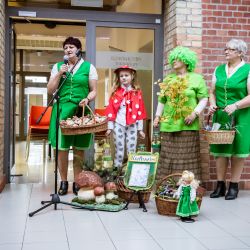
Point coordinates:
[(113, 60)]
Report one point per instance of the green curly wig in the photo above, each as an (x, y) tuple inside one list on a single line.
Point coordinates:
[(185, 55)]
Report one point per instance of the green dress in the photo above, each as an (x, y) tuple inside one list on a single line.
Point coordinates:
[(72, 92), (228, 91), (185, 207)]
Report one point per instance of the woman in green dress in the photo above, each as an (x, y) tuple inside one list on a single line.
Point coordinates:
[(182, 98), (230, 100), (79, 89)]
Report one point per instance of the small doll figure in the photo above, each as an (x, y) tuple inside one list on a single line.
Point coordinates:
[(187, 205)]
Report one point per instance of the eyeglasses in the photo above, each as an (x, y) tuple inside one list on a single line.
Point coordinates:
[(230, 50)]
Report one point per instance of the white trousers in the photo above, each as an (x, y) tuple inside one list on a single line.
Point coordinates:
[(122, 135)]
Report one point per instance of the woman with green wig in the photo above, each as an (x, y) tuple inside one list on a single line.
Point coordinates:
[(183, 96)]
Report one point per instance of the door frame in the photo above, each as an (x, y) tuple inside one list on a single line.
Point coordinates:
[(9, 101), (92, 19)]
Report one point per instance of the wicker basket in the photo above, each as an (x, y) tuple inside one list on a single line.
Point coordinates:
[(168, 206), (125, 193), (85, 129), (220, 136)]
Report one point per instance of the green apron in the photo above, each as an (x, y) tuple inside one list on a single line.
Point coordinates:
[(72, 92)]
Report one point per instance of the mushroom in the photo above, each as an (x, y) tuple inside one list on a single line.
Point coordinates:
[(110, 188), (87, 181), (99, 195)]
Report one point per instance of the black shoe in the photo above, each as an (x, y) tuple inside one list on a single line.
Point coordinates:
[(219, 191), (63, 188), (187, 219), (233, 191), (75, 188)]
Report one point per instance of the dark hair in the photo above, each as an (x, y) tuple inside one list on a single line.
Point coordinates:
[(73, 40)]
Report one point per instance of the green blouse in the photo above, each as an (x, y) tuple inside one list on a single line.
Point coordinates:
[(180, 96)]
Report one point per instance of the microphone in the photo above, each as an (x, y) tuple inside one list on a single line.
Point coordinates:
[(66, 59), (78, 52)]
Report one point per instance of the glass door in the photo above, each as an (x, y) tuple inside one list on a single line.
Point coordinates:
[(124, 46), (117, 44)]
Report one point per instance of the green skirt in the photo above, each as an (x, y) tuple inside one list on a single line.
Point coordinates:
[(185, 207), (81, 142), (241, 144)]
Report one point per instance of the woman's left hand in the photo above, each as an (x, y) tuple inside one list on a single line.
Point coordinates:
[(230, 109), (84, 102), (189, 119), (142, 134)]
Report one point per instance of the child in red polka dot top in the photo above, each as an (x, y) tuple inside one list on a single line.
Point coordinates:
[(125, 112)]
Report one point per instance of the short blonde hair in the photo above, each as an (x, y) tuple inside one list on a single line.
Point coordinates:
[(237, 44)]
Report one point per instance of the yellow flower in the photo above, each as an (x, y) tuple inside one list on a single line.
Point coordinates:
[(174, 89)]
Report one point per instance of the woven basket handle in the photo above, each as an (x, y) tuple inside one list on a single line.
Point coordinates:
[(119, 171), (208, 119), (91, 112), (166, 177)]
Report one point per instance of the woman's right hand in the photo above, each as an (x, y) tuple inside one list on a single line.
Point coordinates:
[(212, 109), (108, 132), (156, 121), (63, 69)]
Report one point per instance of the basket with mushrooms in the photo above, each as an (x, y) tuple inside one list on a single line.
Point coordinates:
[(91, 123)]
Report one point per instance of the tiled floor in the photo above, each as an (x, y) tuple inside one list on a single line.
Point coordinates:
[(220, 225)]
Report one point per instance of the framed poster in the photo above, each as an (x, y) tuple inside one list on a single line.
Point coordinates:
[(141, 170), (139, 175)]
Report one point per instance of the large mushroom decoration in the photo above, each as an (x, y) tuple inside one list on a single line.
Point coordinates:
[(91, 186)]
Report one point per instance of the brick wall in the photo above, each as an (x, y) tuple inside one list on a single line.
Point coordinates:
[(223, 20), (2, 50), (170, 30), (182, 26)]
